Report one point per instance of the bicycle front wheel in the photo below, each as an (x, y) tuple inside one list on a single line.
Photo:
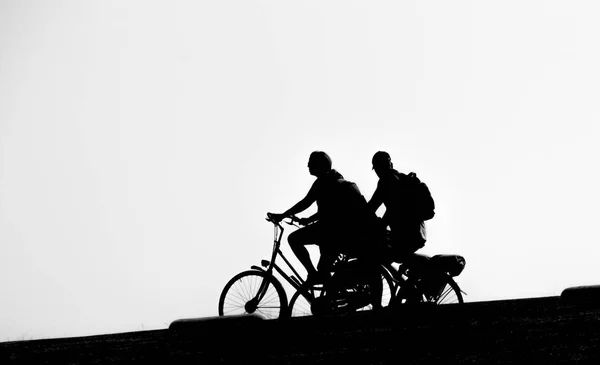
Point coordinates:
[(253, 292)]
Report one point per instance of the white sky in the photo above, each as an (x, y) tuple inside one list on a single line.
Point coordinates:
[(142, 143)]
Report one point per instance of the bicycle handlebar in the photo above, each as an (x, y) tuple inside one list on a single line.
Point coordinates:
[(293, 219)]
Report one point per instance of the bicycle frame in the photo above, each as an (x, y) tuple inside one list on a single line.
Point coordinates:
[(268, 266)]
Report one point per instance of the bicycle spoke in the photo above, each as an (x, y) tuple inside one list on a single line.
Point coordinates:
[(447, 291), (249, 288), (240, 291), (269, 295), (229, 311), (300, 305), (236, 303), (240, 298)]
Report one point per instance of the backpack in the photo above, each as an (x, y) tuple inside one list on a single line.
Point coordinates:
[(421, 196), (351, 203), (342, 201)]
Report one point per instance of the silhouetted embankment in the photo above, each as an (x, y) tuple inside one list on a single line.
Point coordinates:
[(536, 331)]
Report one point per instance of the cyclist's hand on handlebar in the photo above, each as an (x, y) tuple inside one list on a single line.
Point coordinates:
[(303, 221), (275, 217)]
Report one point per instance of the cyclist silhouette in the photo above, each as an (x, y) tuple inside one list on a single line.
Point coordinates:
[(338, 224), (408, 232)]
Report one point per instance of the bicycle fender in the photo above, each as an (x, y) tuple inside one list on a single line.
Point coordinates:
[(257, 268)]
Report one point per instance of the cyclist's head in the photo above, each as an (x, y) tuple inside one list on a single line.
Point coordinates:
[(382, 162), (319, 163)]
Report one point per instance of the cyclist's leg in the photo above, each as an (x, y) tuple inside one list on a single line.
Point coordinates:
[(298, 240), (372, 261), (401, 248), (351, 240), (328, 241), (375, 283), (404, 243), (328, 256), (370, 251)]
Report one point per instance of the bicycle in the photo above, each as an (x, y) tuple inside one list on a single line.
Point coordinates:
[(258, 290)]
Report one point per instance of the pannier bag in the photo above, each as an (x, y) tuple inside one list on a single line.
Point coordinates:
[(451, 264)]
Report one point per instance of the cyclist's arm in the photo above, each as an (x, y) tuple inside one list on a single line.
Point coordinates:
[(376, 200), (303, 204)]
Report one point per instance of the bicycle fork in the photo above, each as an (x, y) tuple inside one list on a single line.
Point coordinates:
[(252, 304)]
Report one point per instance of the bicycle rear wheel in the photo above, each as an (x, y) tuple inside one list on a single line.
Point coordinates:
[(253, 292), (434, 287), (301, 302), (449, 292)]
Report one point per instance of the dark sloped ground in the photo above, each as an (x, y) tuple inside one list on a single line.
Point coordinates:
[(535, 331)]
